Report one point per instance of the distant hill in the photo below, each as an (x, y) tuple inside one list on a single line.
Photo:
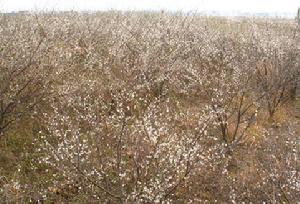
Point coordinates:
[(211, 13)]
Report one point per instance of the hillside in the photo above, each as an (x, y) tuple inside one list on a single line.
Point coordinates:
[(146, 107)]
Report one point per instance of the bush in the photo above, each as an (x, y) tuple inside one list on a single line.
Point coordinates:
[(146, 107)]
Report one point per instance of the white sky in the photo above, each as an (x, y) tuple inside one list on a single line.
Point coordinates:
[(223, 6)]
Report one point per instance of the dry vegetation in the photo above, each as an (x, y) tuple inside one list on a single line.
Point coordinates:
[(148, 108)]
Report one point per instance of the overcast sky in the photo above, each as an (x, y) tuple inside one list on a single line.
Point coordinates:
[(224, 6)]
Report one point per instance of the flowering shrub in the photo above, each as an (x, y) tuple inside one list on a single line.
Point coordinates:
[(141, 107)]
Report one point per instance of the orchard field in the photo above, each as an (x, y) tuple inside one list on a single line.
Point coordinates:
[(148, 107)]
